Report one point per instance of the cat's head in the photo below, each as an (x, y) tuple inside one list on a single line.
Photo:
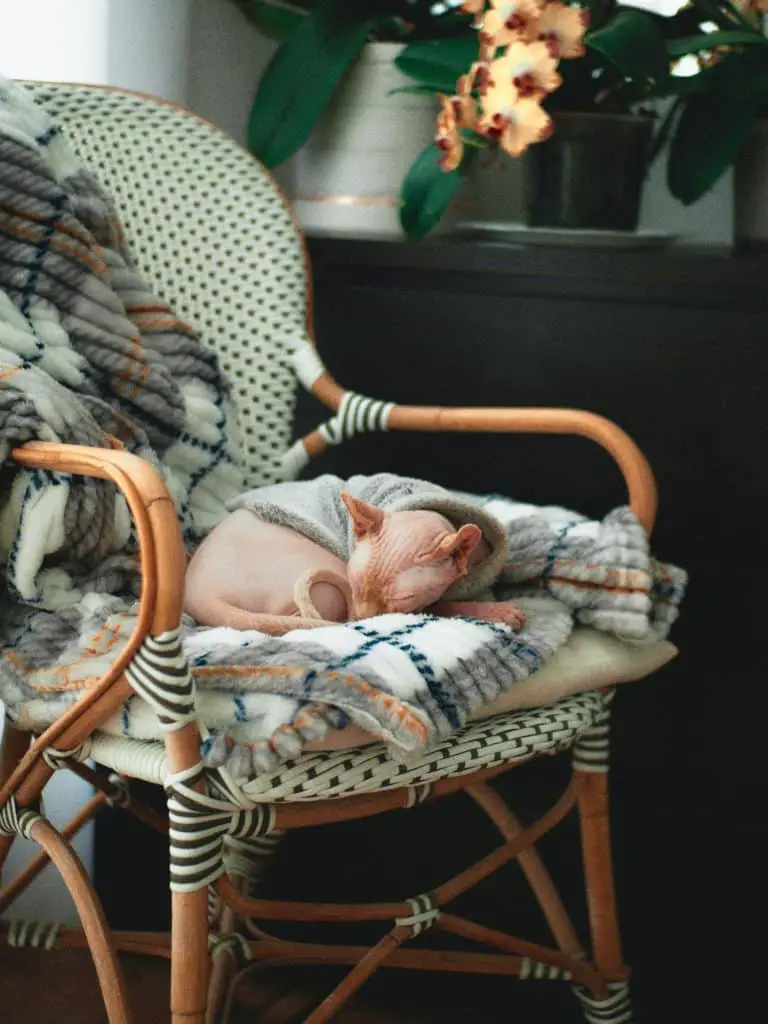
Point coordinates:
[(404, 561)]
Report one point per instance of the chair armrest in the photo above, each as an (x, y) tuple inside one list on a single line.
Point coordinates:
[(635, 468), (162, 561)]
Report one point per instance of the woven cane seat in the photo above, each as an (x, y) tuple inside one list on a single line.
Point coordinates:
[(504, 739)]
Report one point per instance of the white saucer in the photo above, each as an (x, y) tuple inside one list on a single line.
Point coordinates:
[(592, 238)]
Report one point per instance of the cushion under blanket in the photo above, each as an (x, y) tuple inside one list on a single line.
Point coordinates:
[(588, 660)]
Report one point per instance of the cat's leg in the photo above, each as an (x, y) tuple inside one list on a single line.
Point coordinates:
[(504, 612), (219, 612)]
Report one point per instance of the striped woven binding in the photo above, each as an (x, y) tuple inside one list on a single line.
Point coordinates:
[(357, 414), (424, 915), (591, 749), (538, 971), (199, 822), (33, 934), (15, 821), (160, 674), (235, 944), (614, 1009)]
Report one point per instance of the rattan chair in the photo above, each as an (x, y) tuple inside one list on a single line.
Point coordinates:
[(232, 262)]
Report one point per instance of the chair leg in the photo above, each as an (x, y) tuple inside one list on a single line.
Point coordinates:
[(189, 956), (591, 767), (94, 924), (13, 748), (598, 874)]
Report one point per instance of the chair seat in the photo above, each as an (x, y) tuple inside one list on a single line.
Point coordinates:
[(503, 739), (542, 714)]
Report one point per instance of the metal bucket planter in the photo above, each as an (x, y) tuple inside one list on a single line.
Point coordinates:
[(590, 173)]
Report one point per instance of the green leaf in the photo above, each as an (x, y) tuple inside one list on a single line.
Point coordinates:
[(439, 62), (427, 191), (710, 133), (303, 75), (599, 11), (274, 22), (634, 43), (709, 40)]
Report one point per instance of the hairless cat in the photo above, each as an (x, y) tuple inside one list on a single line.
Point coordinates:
[(252, 574)]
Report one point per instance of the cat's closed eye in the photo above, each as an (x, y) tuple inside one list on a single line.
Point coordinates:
[(430, 558)]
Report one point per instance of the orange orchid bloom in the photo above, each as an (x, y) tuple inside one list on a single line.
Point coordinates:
[(520, 43), (509, 21), (447, 136), (515, 122), (562, 29), (529, 67), (464, 106)]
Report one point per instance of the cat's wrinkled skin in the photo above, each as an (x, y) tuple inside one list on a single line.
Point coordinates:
[(250, 574)]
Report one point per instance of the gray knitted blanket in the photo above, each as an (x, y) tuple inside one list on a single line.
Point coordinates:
[(88, 355)]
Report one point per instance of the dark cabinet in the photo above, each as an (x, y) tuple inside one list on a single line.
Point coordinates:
[(672, 347)]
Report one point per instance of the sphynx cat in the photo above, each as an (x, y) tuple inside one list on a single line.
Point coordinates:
[(252, 574)]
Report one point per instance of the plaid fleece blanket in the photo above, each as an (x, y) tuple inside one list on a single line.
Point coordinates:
[(89, 355)]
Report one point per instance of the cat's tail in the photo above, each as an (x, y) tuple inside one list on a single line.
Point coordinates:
[(323, 594)]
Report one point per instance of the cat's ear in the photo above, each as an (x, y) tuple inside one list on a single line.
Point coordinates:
[(458, 546), (367, 520)]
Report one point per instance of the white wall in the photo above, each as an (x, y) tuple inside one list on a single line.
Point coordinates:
[(47, 899), (56, 40), (137, 44), (148, 46), (226, 58)]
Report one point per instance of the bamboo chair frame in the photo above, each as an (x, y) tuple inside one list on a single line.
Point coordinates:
[(201, 977)]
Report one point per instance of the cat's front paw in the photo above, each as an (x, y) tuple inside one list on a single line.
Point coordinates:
[(503, 612)]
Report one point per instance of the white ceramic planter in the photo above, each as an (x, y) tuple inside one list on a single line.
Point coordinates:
[(348, 177), (751, 190)]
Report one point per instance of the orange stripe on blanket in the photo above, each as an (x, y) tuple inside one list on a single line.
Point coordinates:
[(159, 322), (60, 674), (407, 718), (61, 224), (127, 375), (59, 244), (592, 585), (244, 670), (148, 322), (58, 679)]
